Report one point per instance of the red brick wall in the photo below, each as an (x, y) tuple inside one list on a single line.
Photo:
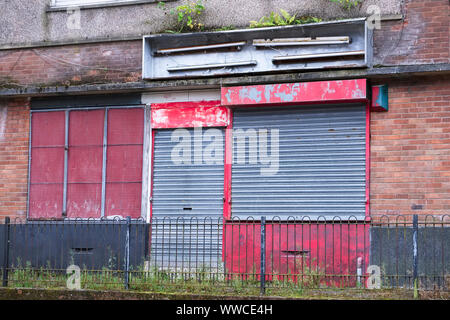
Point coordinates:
[(423, 36), (73, 64), (410, 149), (14, 136)]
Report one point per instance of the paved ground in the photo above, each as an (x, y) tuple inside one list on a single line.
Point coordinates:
[(51, 294)]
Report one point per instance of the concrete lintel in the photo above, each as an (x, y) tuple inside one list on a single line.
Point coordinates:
[(385, 72)]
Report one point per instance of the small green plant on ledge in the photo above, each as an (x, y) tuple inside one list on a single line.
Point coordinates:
[(188, 16), (285, 19), (348, 4)]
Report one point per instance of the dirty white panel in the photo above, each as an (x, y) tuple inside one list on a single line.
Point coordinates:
[(240, 51), (181, 96)]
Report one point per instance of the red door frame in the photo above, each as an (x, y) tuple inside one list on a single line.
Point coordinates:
[(189, 115), (219, 114), (307, 93)]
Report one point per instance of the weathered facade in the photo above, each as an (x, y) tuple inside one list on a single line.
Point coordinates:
[(86, 123)]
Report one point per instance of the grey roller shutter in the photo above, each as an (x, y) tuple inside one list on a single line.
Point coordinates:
[(187, 205), (322, 164)]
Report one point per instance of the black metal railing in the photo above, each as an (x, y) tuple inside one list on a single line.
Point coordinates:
[(256, 255)]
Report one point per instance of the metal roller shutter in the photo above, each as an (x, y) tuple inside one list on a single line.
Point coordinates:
[(187, 205), (322, 166)]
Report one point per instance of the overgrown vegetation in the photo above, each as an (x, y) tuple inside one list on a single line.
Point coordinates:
[(283, 19), (303, 282), (199, 281), (188, 16), (348, 4)]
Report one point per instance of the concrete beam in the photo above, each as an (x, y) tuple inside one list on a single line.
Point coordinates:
[(376, 73)]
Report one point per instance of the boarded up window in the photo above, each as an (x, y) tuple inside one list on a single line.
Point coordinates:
[(86, 164)]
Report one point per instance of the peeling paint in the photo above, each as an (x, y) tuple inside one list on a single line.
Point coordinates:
[(189, 115), (319, 91), (228, 96), (250, 93), (290, 93)]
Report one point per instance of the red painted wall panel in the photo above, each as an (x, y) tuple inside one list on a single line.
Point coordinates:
[(86, 127), (46, 201), (84, 200), (85, 160), (47, 166), (48, 128), (296, 248), (85, 165), (124, 164), (125, 126), (296, 93), (123, 199)]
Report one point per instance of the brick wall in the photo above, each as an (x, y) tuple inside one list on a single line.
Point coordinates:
[(73, 64), (410, 149), (14, 136), (423, 36)]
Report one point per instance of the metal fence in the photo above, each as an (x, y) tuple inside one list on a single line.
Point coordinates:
[(207, 255)]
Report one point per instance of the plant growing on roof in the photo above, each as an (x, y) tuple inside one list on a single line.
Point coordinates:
[(188, 16), (275, 19), (348, 4)]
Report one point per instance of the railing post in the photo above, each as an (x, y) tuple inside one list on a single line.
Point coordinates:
[(127, 254), (6, 252), (415, 253), (263, 257)]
